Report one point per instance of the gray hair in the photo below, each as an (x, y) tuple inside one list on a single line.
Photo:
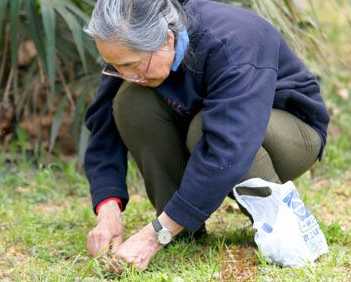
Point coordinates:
[(141, 25)]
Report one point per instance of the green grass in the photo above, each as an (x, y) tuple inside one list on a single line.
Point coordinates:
[(45, 213)]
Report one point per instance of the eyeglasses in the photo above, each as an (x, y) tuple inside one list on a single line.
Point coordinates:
[(110, 70)]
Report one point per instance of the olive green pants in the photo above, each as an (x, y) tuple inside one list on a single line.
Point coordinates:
[(161, 142)]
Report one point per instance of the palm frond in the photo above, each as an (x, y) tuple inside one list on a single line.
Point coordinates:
[(65, 10), (14, 11), (49, 23), (3, 9), (35, 31)]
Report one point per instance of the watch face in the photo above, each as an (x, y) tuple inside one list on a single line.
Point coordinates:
[(164, 236)]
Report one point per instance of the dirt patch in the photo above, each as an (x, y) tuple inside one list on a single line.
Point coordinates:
[(334, 207), (9, 259), (336, 212), (238, 264), (137, 198), (50, 208)]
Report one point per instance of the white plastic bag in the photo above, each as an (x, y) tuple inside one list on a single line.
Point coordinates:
[(287, 233)]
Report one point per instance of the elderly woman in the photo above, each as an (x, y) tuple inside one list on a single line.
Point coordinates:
[(203, 95)]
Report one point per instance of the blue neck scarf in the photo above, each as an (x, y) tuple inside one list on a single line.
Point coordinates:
[(180, 49)]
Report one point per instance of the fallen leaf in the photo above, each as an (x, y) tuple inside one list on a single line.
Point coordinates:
[(239, 264)]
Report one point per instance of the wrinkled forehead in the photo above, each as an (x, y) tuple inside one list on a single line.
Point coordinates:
[(116, 52)]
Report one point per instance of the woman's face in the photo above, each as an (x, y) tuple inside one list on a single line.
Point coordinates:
[(144, 68)]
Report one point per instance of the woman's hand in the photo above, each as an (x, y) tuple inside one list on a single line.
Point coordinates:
[(109, 229), (143, 245), (139, 248)]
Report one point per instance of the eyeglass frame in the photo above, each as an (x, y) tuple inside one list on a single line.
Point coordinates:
[(135, 78)]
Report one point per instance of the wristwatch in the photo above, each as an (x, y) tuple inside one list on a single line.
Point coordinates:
[(164, 236)]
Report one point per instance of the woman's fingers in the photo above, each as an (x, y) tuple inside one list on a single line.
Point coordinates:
[(138, 249), (98, 240), (109, 227), (116, 242)]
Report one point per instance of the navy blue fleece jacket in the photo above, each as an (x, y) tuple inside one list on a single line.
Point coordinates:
[(237, 69)]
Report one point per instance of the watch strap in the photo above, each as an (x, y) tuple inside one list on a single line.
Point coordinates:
[(157, 225)]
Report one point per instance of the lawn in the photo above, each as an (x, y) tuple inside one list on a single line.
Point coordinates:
[(45, 211)]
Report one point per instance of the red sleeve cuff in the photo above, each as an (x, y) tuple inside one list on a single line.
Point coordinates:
[(114, 199)]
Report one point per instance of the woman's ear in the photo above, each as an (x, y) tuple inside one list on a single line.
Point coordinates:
[(170, 40)]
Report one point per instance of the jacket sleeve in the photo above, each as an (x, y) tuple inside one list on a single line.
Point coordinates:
[(105, 160), (234, 119)]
